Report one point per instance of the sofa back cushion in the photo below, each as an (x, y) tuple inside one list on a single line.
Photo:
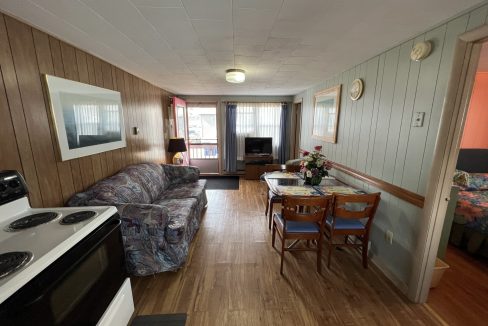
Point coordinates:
[(119, 188), (150, 176)]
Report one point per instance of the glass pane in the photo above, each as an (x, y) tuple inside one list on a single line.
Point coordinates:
[(180, 122), (202, 132), (75, 286)]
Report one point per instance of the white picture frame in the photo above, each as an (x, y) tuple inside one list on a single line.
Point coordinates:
[(87, 119)]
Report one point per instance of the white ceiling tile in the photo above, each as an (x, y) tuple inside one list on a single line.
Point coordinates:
[(244, 61), (260, 21), (249, 50), (208, 9), (260, 4), (158, 3)]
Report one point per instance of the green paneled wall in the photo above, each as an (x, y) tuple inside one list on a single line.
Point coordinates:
[(375, 134)]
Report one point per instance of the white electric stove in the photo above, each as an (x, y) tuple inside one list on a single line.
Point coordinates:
[(65, 253)]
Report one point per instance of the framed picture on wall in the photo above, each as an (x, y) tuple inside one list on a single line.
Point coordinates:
[(87, 119), (326, 114)]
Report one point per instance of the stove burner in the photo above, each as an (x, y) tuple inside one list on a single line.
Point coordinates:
[(31, 221), (12, 261), (77, 217)]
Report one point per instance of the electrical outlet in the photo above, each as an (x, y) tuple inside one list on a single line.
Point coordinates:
[(389, 236)]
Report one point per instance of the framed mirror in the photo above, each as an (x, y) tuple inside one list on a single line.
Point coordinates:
[(326, 114)]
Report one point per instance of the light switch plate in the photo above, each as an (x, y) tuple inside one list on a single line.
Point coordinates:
[(418, 119)]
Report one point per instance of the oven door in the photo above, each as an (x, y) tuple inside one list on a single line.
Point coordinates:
[(77, 288)]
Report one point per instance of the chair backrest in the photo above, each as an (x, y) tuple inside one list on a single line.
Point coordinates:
[(356, 206), (293, 168), (305, 208)]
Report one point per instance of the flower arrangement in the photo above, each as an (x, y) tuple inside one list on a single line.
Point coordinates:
[(314, 166)]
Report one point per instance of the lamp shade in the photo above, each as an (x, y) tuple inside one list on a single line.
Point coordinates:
[(177, 145)]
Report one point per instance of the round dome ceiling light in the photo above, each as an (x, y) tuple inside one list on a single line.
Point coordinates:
[(235, 76)]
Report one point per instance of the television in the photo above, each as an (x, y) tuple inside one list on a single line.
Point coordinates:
[(258, 145)]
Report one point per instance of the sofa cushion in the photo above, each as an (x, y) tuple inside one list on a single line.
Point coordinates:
[(181, 217), (186, 190), (119, 188), (150, 176)]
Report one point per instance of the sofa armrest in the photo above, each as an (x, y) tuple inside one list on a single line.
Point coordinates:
[(181, 173), (143, 228)]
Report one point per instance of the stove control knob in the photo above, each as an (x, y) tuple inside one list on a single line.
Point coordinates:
[(2, 187), (14, 183)]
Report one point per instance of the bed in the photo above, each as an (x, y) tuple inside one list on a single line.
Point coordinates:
[(470, 225)]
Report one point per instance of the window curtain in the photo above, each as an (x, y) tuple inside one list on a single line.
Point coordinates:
[(230, 138), (283, 132), (258, 120)]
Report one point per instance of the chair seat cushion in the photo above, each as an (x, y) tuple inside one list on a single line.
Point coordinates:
[(296, 226), (345, 224)]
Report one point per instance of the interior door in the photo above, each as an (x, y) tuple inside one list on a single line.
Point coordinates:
[(180, 115)]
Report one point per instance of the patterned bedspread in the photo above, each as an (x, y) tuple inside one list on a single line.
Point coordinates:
[(472, 210)]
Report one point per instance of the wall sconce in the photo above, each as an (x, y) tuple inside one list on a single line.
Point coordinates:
[(421, 50)]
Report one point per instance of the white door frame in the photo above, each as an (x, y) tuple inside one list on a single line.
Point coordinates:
[(456, 102)]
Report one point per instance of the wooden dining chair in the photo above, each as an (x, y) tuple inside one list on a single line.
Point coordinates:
[(301, 218), (276, 199), (352, 215)]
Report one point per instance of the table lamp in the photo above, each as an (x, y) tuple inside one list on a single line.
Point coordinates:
[(177, 145)]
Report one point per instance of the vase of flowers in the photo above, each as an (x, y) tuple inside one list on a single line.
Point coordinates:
[(314, 166)]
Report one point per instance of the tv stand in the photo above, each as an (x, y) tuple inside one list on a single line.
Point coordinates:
[(255, 165)]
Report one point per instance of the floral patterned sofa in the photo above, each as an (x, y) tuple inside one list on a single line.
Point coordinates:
[(160, 206)]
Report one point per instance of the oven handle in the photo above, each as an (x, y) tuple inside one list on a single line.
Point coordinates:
[(113, 224)]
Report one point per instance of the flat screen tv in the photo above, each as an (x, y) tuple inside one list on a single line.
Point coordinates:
[(258, 145)]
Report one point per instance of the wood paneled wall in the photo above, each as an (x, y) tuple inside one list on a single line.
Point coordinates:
[(27, 137), (376, 137)]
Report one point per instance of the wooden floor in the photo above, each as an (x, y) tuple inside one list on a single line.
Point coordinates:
[(462, 296), (232, 278)]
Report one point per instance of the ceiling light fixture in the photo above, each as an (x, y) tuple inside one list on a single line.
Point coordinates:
[(235, 76)]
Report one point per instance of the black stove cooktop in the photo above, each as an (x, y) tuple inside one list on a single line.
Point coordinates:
[(31, 221), (77, 217), (12, 261)]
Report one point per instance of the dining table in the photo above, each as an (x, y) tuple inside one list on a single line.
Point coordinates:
[(293, 184)]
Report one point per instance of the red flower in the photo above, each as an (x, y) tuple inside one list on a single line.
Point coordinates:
[(318, 148), (305, 153)]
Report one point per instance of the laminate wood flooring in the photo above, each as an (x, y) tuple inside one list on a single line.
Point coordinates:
[(232, 277), (461, 298)]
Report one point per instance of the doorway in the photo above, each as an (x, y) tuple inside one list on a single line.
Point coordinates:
[(456, 104), (203, 137), (462, 254)]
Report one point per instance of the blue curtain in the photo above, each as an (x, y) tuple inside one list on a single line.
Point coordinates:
[(230, 138), (283, 131)]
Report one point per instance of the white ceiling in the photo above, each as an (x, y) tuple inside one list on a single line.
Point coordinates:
[(185, 46)]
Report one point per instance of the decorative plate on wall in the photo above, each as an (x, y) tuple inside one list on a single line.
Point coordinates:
[(356, 90)]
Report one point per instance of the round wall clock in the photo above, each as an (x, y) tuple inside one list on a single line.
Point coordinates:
[(356, 89), (421, 51)]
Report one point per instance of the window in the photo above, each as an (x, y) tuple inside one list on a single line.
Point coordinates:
[(257, 120)]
